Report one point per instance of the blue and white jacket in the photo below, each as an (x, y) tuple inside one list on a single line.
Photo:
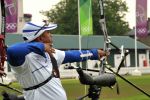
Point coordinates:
[(32, 65)]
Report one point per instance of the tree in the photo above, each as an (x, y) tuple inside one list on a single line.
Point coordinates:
[(65, 14)]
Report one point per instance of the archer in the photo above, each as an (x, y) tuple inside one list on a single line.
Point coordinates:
[(35, 62)]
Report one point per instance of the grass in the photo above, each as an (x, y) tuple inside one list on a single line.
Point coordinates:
[(127, 92), (74, 89)]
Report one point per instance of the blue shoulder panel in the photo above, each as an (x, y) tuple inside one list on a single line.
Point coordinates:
[(17, 52)]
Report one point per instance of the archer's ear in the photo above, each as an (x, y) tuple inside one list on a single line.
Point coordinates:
[(38, 39)]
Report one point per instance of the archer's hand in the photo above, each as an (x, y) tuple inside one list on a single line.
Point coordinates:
[(49, 48), (102, 53), (2, 73)]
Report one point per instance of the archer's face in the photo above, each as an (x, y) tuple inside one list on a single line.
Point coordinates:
[(46, 37)]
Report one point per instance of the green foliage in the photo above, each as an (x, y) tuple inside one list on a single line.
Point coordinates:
[(115, 13), (65, 14)]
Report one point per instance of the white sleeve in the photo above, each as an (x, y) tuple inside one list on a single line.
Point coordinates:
[(59, 56)]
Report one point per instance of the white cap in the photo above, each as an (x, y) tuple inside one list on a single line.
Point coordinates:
[(32, 30)]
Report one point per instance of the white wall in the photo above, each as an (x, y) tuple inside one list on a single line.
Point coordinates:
[(20, 16)]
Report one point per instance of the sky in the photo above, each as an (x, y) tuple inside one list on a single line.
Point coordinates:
[(35, 6)]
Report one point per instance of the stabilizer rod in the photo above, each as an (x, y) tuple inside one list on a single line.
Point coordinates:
[(14, 89)]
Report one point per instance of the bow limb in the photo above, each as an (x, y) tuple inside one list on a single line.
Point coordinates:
[(106, 38), (2, 40), (104, 28)]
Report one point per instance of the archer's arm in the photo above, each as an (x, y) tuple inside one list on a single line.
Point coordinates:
[(76, 55), (17, 53)]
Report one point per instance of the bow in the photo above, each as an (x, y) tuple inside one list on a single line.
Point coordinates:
[(108, 42), (2, 40), (123, 52), (3, 47), (103, 60), (104, 78)]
